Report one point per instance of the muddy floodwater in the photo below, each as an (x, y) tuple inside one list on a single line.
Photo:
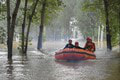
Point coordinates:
[(43, 66)]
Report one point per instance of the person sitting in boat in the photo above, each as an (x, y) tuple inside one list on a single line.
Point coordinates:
[(90, 45), (69, 45), (77, 46)]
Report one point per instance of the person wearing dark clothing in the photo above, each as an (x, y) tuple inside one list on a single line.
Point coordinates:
[(69, 45), (77, 46)]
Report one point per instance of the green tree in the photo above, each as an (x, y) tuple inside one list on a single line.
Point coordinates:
[(11, 20), (108, 12), (108, 35), (23, 26), (48, 7), (29, 24)]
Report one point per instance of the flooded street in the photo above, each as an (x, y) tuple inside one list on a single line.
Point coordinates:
[(29, 25), (34, 33), (43, 66)]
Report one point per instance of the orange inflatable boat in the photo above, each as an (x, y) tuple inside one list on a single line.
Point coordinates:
[(74, 54)]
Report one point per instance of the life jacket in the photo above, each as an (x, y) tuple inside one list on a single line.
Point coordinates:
[(90, 46)]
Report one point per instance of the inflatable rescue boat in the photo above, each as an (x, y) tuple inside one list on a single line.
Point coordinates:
[(74, 54)]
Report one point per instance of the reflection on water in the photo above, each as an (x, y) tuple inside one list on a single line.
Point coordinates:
[(39, 66), (9, 69)]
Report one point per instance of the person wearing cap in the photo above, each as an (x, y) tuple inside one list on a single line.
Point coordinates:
[(90, 45), (77, 46), (69, 45)]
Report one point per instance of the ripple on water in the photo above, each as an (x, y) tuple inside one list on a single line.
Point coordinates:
[(39, 66)]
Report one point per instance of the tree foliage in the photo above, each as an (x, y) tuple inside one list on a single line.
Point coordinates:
[(97, 6)]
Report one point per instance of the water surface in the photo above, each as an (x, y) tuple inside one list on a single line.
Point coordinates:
[(43, 66)]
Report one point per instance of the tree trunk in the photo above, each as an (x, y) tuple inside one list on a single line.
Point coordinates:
[(119, 28), (108, 35), (39, 46), (23, 27), (8, 29), (93, 34), (102, 33), (29, 24), (41, 27), (11, 26), (99, 35)]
